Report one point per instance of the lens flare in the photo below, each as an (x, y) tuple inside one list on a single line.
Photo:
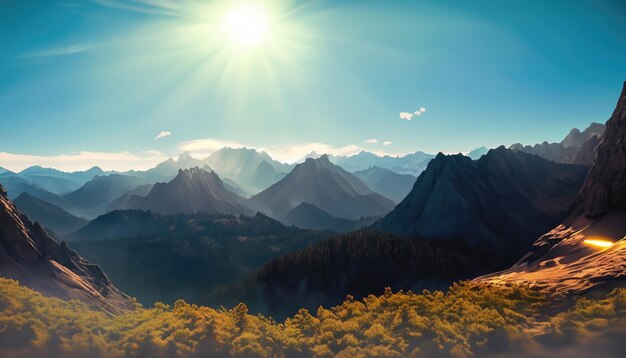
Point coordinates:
[(599, 243)]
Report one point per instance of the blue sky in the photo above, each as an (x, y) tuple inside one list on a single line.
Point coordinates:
[(94, 82)]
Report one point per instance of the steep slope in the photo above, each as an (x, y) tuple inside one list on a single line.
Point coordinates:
[(500, 202), (168, 257), (327, 186), (93, 198), (29, 255), (587, 252), (386, 182), (309, 216), (193, 190), (50, 216)]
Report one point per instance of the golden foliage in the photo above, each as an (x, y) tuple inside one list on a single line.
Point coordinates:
[(469, 319)]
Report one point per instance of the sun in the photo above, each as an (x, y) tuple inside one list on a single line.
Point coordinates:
[(247, 25)]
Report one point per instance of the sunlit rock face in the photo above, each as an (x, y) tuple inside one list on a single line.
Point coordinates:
[(588, 250), (30, 255)]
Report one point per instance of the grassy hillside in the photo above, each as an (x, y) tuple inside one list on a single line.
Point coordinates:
[(470, 319)]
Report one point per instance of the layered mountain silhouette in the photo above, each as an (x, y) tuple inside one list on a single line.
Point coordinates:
[(387, 182), (38, 261), (309, 216), (567, 260), (50, 216), (576, 148), (57, 181), (167, 257), (168, 169), (191, 191), (16, 186), (325, 185), (121, 203), (253, 171), (93, 198), (413, 163), (500, 202)]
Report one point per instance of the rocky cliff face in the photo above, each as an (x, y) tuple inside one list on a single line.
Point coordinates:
[(35, 259), (604, 189)]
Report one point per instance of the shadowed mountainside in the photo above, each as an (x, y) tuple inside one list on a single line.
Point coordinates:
[(500, 202)]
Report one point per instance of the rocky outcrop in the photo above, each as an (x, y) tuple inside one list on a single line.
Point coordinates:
[(30, 255)]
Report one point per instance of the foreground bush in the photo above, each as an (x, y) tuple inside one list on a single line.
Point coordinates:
[(470, 319)]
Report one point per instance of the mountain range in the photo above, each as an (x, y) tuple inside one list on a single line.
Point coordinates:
[(500, 202), (325, 185), (30, 255), (576, 148)]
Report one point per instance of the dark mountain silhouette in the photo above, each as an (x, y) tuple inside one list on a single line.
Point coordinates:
[(563, 261), (309, 216), (327, 186), (413, 163), (500, 202), (386, 182), (358, 263), (50, 216), (38, 261), (191, 191), (166, 257), (253, 171), (576, 148), (93, 198)]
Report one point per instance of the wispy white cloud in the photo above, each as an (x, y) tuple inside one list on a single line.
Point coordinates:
[(408, 116), (120, 161), (163, 134), (387, 142), (371, 140)]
